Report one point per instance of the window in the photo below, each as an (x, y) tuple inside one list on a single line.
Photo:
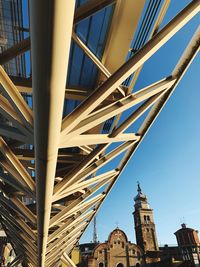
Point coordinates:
[(122, 244), (101, 264), (120, 265)]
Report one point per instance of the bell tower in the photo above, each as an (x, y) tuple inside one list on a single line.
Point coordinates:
[(144, 223)]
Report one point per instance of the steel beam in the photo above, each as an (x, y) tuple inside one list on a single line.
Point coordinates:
[(178, 72), (16, 261), (25, 177), (154, 30), (94, 167), (93, 139), (89, 8), (14, 51), (68, 190), (17, 100), (103, 91), (105, 178), (182, 66), (94, 59), (75, 207), (51, 28), (117, 107), (73, 221), (83, 12)]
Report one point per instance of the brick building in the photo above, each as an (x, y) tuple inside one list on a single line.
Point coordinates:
[(145, 229), (189, 244), (117, 251)]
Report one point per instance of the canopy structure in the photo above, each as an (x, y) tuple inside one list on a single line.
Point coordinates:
[(66, 84)]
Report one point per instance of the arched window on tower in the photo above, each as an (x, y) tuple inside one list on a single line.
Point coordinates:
[(120, 265), (101, 264), (148, 218)]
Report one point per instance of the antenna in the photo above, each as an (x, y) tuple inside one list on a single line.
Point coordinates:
[(95, 231)]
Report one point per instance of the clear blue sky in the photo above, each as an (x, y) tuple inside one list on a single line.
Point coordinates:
[(167, 163)]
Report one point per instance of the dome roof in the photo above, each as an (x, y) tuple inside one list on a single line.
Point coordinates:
[(141, 200), (185, 229), (117, 233), (140, 196)]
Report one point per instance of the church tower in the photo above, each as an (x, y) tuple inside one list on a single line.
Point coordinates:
[(144, 223)]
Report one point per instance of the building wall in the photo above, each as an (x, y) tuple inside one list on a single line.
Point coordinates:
[(145, 230), (189, 244), (116, 252)]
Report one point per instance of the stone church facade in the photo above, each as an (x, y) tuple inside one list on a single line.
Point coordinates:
[(116, 252)]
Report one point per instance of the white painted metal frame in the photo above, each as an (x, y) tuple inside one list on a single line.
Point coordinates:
[(49, 193)]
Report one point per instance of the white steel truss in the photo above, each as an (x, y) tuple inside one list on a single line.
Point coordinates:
[(49, 193)]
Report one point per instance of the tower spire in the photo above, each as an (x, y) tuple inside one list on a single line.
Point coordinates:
[(139, 188), (144, 223)]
